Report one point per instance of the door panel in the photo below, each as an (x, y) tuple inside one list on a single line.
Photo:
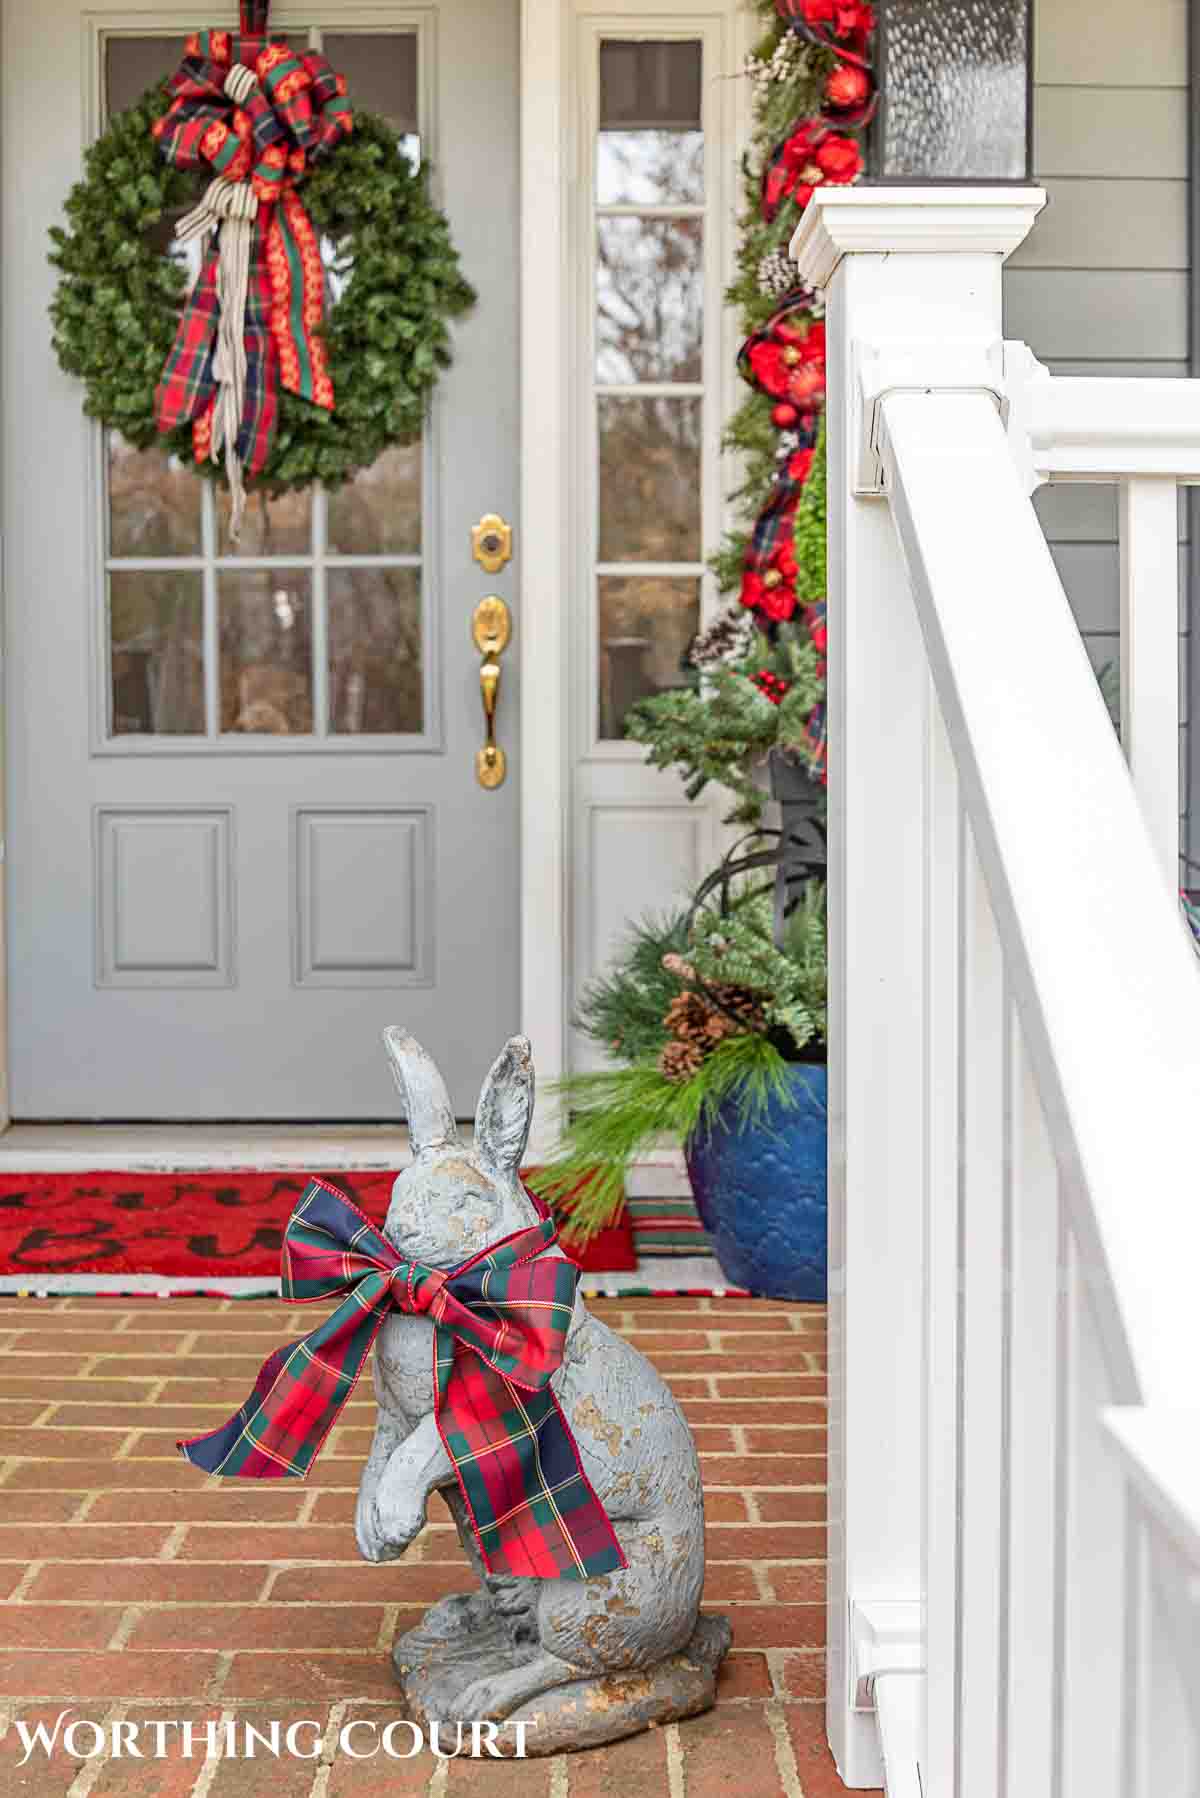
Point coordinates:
[(245, 827)]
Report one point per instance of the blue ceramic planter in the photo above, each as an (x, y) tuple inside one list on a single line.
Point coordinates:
[(761, 1192)]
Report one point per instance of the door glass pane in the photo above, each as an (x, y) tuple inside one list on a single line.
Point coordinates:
[(133, 64), (265, 629), (650, 150), (649, 299), (379, 511), (647, 623), (153, 502), (278, 526), (381, 73), (649, 479), (156, 650), (375, 650)]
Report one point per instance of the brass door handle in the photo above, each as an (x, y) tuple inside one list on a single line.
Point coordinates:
[(491, 628)]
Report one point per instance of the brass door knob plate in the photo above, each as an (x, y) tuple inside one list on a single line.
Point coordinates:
[(491, 630)]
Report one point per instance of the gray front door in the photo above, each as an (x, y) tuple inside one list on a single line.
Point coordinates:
[(244, 825)]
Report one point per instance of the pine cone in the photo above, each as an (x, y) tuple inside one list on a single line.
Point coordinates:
[(746, 1007), (727, 639), (679, 1061), (777, 274), (718, 1026), (686, 1018)]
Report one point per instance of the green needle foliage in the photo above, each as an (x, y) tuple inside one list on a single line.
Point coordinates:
[(720, 727), (120, 294), (614, 1115), (809, 531), (618, 1112), (623, 1009), (737, 946)]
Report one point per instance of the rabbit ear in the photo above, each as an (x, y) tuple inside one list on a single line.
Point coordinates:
[(506, 1106), (426, 1102)]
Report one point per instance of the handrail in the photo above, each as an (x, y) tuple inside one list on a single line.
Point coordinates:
[(1014, 1044), (1105, 981), (1161, 1450)]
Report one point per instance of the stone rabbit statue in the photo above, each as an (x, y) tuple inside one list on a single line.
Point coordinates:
[(580, 1661)]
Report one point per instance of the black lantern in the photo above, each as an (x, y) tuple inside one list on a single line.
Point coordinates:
[(955, 95)]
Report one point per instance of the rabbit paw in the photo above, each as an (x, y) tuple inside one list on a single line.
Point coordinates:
[(497, 1695), (378, 1536)]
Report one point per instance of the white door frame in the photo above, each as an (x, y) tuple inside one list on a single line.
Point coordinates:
[(543, 766)]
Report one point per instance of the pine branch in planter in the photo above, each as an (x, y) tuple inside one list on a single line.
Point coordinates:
[(616, 1113), (623, 1010), (736, 946)]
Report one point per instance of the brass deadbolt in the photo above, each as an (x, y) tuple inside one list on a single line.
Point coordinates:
[(491, 542)]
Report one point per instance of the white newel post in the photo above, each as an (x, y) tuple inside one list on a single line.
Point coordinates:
[(911, 279)]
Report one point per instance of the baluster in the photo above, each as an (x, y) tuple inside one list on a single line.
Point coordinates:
[(1150, 656), (1162, 1736), (1033, 1325), (940, 1412), (983, 1011), (1093, 1574)]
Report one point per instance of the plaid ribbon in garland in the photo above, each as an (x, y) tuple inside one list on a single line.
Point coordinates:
[(500, 1325), (293, 115)]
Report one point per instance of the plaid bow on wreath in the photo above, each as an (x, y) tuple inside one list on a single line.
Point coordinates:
[(258, 114), (500, 1325)]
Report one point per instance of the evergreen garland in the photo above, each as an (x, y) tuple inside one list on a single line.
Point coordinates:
[(813, 94), (120, 293), (721, 730)]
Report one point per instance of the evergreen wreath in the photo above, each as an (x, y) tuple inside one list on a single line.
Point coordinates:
[(121, 292)]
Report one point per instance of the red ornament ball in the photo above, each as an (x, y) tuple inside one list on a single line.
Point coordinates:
[(784, 416), (847, 86)]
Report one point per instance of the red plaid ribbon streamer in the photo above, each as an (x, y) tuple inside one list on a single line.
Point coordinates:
[(293, 116), (500, 1325)]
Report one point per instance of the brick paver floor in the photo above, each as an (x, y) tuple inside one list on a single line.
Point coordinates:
[(136, 1589)]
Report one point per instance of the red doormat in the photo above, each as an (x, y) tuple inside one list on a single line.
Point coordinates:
[(194, 1232)]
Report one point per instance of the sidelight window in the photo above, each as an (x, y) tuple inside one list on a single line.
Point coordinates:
[(652, 306)]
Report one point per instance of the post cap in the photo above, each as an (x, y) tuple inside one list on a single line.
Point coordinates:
[(947, 221)]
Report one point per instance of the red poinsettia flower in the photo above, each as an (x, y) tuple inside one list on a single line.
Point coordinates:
[(839, 158), (809, 160), (799, 147), (778, 603), (847, 87), (790, 363), (842, 17), (769, 368), (783, 562), (771, 589)]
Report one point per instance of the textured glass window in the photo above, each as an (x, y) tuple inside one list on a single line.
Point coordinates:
[(955, 89)]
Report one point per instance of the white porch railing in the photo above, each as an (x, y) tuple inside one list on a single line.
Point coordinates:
[(1014, 1052)]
